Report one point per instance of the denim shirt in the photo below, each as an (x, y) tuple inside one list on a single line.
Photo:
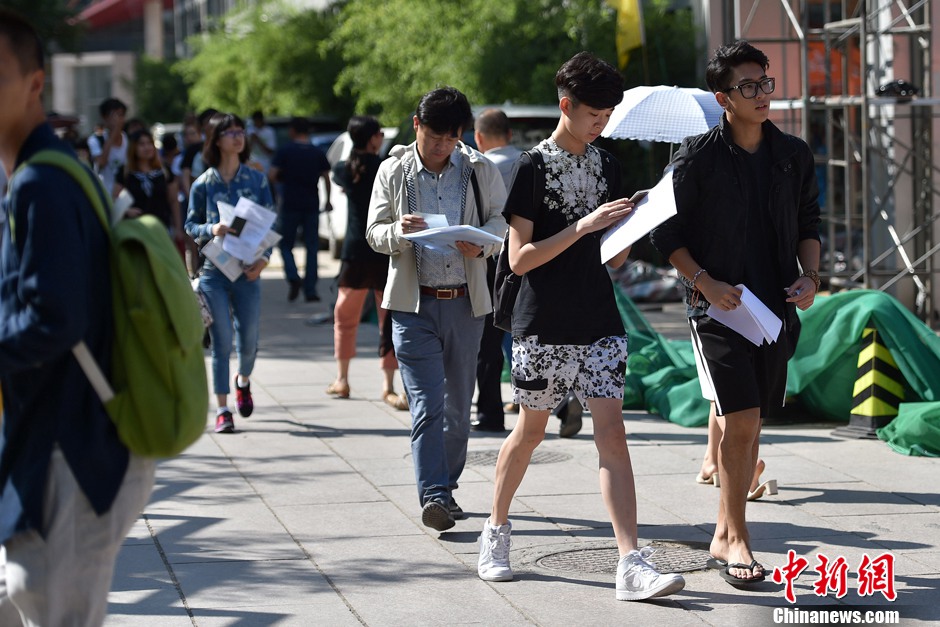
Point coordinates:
[(209, 189)]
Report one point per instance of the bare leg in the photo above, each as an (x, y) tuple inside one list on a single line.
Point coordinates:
[(616, 471), (388, 381), (221, 400), (513, 460), (342, 374), (710, 460), (736, 467)]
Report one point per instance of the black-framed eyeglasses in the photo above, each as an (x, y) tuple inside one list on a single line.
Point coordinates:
[(749, 90)]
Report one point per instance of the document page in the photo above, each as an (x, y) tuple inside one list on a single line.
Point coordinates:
[(752, 319), (658, 206), (443, 237), (252, 222)]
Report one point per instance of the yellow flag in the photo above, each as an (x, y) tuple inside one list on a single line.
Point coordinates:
[(629, 28)]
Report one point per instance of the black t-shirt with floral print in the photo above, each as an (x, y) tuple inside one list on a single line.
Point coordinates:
[(570, 299)]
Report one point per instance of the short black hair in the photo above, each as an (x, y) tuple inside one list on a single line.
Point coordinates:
[(24, 41), (299, 125), (588, 79), (218, 124), (727, 57), (493, 122), (109, 105), (445, 110)]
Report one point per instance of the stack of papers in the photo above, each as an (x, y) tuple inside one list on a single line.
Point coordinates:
[(234, 252), (752, 318), (443, 237)]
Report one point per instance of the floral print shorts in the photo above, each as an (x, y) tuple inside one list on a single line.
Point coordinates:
[(542, 374)]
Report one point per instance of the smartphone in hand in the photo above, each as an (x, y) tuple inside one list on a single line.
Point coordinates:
[(638, 196)]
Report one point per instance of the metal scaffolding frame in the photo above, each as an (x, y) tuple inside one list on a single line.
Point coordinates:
[(881, 208)]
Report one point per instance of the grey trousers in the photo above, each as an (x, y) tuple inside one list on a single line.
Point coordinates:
[(62, 576)]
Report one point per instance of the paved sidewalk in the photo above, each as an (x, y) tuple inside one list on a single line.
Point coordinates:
[(308, 514)]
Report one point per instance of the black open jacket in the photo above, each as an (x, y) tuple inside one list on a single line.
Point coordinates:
[(711, 203)]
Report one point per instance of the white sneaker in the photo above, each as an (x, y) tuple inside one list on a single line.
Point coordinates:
[(494, 552), (638, 580)]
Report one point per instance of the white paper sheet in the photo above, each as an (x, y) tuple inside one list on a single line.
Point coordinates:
[(446, 236), (232, 266), (752, 318), (658, 206), (434, 220), (258, 221)]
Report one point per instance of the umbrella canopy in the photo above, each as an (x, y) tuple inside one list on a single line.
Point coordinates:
[(663, 114)]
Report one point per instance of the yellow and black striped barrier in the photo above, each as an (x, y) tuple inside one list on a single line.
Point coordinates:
[(878, 391)]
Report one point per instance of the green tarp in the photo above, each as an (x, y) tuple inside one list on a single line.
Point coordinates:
[(661, 376)]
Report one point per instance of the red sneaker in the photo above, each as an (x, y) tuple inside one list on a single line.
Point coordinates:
[(224, 423), (243, 401)]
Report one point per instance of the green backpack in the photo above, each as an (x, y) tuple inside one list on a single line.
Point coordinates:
[(158, 395)]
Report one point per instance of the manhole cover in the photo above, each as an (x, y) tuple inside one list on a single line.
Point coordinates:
[(666, 559), (488, 458)]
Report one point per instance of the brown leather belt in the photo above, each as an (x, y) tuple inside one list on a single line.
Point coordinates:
[(443, 293)]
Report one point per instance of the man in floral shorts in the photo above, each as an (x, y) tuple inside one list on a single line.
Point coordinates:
[(567, 331)]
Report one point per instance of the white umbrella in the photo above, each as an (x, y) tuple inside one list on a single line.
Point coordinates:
[(663, 114)]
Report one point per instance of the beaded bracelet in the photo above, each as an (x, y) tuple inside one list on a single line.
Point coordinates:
[(696, 276), (813, 276)]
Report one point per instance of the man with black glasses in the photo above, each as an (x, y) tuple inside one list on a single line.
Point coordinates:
[(747, 206)]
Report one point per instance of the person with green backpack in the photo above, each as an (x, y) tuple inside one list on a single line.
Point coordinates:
[(70, 488)]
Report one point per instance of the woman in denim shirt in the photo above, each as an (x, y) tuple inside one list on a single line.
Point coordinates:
[(227, 180)]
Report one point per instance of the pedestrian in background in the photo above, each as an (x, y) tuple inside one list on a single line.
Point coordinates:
[(438, 298), (232, 302), (108, 148), (151, 184), (577, 341), (297, 167), (71, 490), (362, 269), (492, 135)]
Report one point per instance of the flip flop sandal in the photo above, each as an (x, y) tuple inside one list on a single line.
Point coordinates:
[(738, 581)]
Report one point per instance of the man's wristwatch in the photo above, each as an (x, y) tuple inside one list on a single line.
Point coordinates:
[(813, 276)]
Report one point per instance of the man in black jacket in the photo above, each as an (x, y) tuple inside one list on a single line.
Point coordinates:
[(746, 197)]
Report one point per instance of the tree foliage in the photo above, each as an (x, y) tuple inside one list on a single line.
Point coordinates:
[(492, 51), (159, 90), (53, 20), (270, 57)]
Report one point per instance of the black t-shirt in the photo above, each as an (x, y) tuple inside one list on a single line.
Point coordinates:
[(149, 190), (358, 194), (570, 299), (761, 275), (299, 166)]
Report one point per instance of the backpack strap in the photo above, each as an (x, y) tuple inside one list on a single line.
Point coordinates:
[(85, 178), (538, 174)]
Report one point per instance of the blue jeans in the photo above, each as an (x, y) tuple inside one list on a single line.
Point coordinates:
[(437, 355), (239, 302), (288, 223)]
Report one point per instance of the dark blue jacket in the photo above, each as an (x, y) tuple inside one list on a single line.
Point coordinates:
[(55, 290), (711, 203)]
